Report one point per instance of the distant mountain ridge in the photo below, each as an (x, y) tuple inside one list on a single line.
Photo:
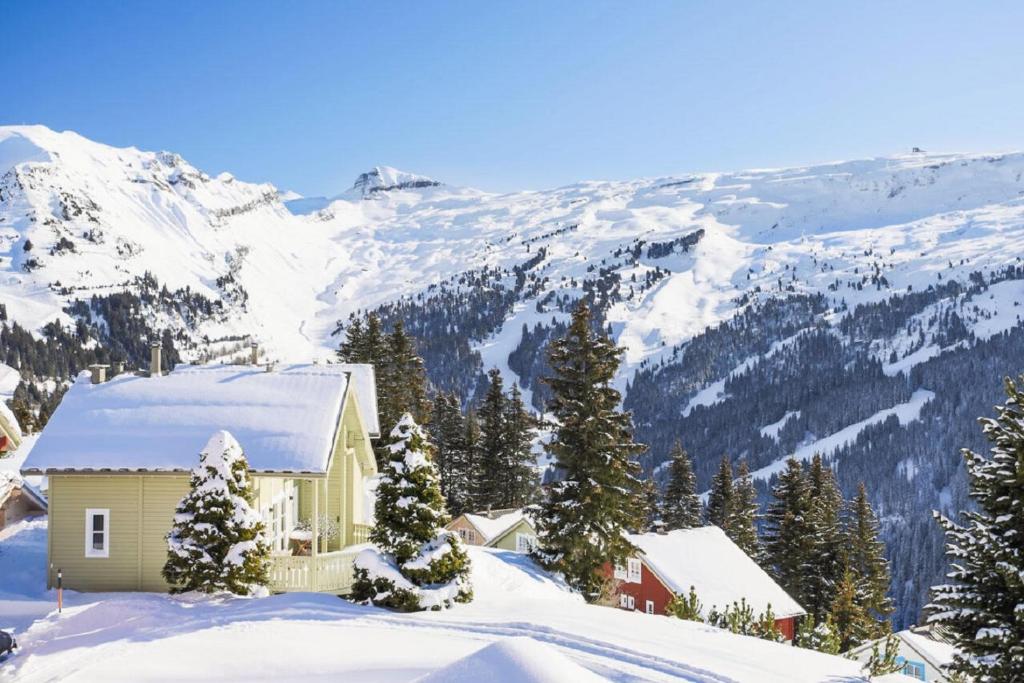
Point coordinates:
[(866, 306)]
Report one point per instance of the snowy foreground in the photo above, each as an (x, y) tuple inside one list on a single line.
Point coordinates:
[(523, 626)]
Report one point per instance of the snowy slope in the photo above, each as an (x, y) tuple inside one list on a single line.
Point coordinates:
[(521, 622), (127, 212)]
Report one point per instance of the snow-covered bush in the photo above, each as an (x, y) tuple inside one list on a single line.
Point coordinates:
[(217, 541), (740, 618), (416, 563)]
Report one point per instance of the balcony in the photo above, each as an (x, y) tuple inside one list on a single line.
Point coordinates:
[(331, 572)]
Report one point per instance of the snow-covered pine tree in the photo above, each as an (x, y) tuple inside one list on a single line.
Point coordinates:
[(595, 494), (491, 472), (865, 556), (742, 524), (687, 607), (828, 560), (470, 464), (216, 542), (680, 505), (852, 622), (983, 606), (789, 542), (650, 518), (720, 498), (821, 636), (415, 563), (404, 379), (521, 480)]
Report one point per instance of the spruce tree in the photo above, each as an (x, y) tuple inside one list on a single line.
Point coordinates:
[(470, 463), (650, 517), (217, 542), (852, 622), (821, 636), (865, 556), (521, 479), (491, 471), (595, 493), (983, 605), (720, 498), (789, 543), (828, 560), (742, 524), (447, 431), (681, 506), (415, 563)]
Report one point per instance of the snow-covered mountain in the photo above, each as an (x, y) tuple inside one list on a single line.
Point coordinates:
[(866, 306)]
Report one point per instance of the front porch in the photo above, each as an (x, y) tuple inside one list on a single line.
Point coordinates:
[(330, 572)]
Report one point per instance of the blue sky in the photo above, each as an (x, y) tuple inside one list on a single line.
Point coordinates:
[(516, 95)]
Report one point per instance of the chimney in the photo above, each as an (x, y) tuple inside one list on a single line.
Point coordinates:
[(117, 367), (154, 360), (99, 373), (255, 358)]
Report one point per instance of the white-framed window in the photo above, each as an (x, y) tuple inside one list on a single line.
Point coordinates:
[(633, 570), (97, 532), (620, 572), (631, 602), (525, 543), (649, 607), (623, 600), (467, 535)]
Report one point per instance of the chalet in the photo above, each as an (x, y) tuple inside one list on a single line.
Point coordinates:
[(924, 653), (509, 529), (10, 431), (668, 564), (18, 500), (118, 453)]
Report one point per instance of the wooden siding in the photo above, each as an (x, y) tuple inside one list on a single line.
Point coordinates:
[(160, 496), (460, 523), (507, 540), (17, 507)]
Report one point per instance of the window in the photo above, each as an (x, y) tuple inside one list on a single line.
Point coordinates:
[(649, 607), (97, 532), (633, 570), (468, 535), (620, 572), (524, 543), (913, 669), (623, 600), (631, 602)]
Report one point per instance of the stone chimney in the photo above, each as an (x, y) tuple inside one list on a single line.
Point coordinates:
[(254, 359), (99, 373), (154, 360)]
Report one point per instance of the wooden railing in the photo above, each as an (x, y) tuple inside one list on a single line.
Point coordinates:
[(325, 573), (361, 534)]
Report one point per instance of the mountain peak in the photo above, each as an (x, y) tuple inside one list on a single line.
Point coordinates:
[(386, 178)]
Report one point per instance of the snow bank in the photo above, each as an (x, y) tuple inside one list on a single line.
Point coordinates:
[(516, 660)]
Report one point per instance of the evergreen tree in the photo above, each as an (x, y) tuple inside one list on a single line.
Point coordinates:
[(742, 524), (595, 493), (650, 518), (983, 606), (865, 556), (415, 563), (470, 464), (687, 607), (828, 560), (681, 506), (821, 636), (789, 543), (852, 622), (491, 473), (720, 498), (216, 542), (521, 480), (448, 431)]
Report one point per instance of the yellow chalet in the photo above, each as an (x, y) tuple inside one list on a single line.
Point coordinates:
[(118, 453)]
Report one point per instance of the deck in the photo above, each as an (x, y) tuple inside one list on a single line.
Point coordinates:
[(331, 572)]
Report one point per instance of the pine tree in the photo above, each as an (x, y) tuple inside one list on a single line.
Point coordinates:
[(828, 560), (595, 493), (470, 464), (983, 606), (217, 542), (865, 556), (789, 544), (448, 431), (404, 377), (852, 622), (491, 471), (650, 517), (742, 524), (681, 506), (415, 563), (821, 636), (720, 498), (521, 480), (687, 607)]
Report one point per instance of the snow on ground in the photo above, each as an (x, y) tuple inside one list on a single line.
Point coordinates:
[(904, 412), (152, 637), (772, 431)]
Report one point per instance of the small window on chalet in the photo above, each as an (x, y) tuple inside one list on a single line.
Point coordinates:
[(620, 572), (633, 570), (649, 608), (467, 535), (623, 600), (97, 532)]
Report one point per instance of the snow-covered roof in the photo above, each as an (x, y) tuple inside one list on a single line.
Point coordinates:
[(9, 423), (940, 654), (285, 419), (492, 527), (720, 572), (10, 481)]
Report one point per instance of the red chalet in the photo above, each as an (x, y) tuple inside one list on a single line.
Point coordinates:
[(705, 558)]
